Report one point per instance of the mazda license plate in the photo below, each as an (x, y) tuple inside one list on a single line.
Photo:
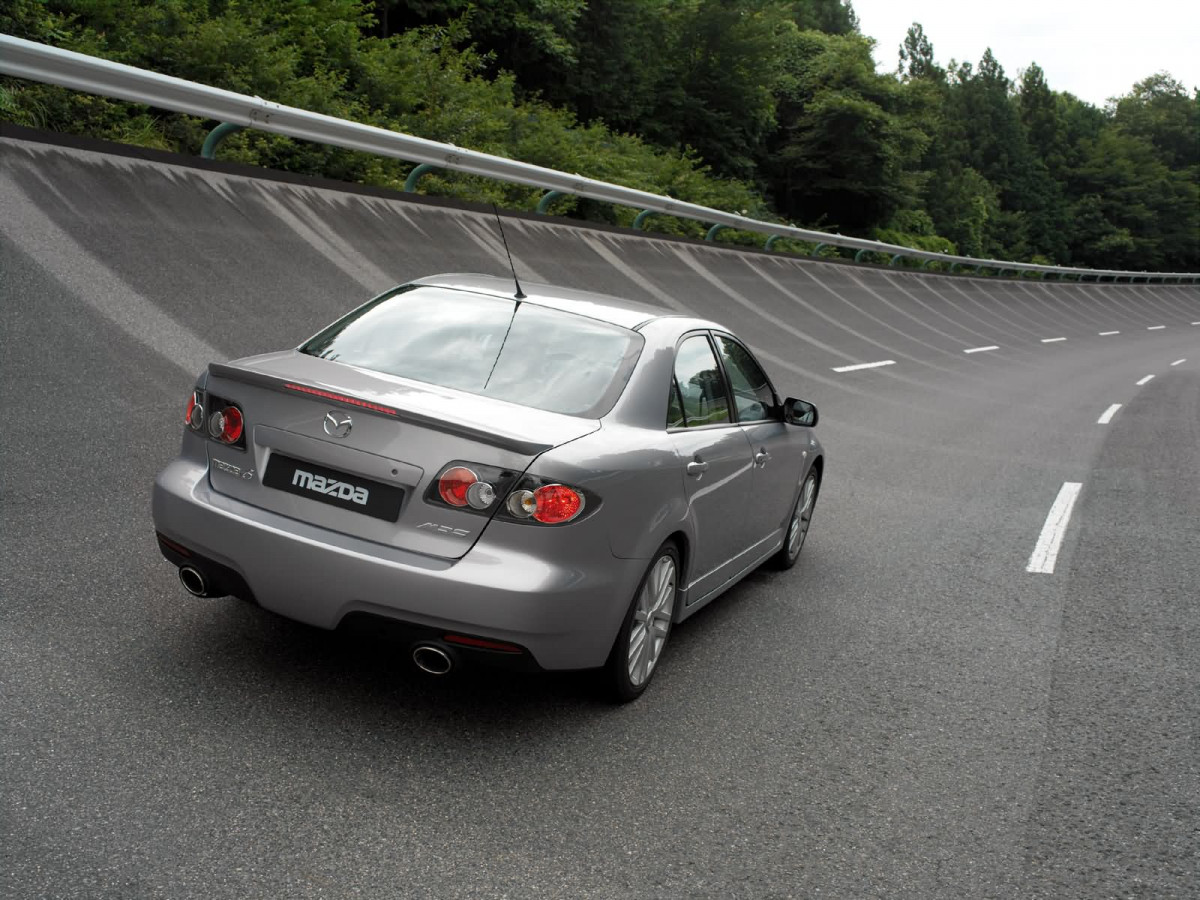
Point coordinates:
[(325, 485)]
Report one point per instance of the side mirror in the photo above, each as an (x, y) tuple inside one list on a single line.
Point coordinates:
[(799, 412)]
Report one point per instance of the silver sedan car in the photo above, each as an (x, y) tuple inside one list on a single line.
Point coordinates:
[(547, 480)]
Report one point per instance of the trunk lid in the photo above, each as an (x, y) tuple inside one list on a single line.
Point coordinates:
[(370, 482)]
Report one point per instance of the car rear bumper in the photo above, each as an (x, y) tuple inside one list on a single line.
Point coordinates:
[(566, 615)]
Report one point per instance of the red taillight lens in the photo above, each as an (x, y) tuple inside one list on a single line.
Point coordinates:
[(454, 484), (226, 425), (556, 503), (232, 429), (194, 417)]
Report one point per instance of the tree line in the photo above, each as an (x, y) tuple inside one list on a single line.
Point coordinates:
[(773, 108)]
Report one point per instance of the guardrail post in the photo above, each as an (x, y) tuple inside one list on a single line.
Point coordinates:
[(218, 134), (410, 183), (547, 198), (712, 232), (771, 242), (927, 263), (953, 267), (639, 221), (817, 249), (895, 259), (859, 255)]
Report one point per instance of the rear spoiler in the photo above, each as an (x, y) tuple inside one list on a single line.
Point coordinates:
[(462, 429)]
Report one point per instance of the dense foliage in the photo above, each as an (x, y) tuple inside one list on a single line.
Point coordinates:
[(773, 107)]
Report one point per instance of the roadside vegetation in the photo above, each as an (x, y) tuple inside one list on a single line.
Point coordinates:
[(768, 107)]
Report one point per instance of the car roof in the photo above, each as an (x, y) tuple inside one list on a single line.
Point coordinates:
[(606, 308)]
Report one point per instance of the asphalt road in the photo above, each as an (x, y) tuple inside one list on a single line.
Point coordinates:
[(908, 713)]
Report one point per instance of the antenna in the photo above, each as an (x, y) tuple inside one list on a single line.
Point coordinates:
[(500, 225)]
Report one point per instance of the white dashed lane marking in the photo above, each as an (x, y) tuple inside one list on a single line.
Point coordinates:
[(1045, 553), (1155, 327), (871, 365), (1178, 362), (981, 349), (1052, 340), (1107, 333), (1144, 380), (1108, 414)]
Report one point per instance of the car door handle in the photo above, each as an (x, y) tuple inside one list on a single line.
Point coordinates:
[(696, 467), (761, 457)]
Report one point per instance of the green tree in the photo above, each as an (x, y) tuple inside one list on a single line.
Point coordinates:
[(916, 56), (841, 151), (1159, 110)]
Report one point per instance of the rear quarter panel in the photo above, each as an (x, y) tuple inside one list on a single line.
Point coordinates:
[(638, 478)]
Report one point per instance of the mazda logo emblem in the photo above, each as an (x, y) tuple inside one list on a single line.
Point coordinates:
[(337, 424)]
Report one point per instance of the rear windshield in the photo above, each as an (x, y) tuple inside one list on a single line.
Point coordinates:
[(493, 346)]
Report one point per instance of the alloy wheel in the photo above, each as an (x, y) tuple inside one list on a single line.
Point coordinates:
[(651, 620), (798, 530)]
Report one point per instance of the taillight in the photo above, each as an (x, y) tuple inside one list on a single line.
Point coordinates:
[(222, 420), (194, 418), (226, 425), (550, 504), (454, 483), (471, 487)]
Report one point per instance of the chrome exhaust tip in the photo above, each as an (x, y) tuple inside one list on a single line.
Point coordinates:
[(432, 659), (193, 581)]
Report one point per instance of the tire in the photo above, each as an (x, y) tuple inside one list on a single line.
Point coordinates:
[(797, 531), (637, 649)]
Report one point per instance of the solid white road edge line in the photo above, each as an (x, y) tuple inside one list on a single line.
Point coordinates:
[(1144, 380), (874, 365), (1045, 554), (981, 349), (1155, 327), (1107, 333), (1052, 340), (1178, 361), (1108, 414)]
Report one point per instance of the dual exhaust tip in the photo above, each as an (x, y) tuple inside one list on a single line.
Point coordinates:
[(432, 659), (429, 658), (193, 581)]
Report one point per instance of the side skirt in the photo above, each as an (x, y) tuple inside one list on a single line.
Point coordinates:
[(692, 604)]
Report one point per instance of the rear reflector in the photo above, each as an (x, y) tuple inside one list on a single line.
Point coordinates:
[(342, 398), (481, 643), (171, 545)]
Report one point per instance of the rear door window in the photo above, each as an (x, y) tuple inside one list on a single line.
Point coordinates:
[(701, 385)]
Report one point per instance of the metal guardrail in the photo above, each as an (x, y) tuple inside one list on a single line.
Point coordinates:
[(38, 62)]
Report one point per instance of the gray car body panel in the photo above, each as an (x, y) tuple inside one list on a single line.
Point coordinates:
[(561, 591)]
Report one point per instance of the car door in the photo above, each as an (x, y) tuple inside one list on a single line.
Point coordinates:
[(778, 449), (716, 462)]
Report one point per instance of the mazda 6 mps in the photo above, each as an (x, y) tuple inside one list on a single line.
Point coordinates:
[(547, 480)]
